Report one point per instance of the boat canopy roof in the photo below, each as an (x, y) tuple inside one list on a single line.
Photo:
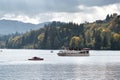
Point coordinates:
[(86, 48)]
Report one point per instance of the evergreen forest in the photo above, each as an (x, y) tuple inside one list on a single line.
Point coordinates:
[(97, 35)]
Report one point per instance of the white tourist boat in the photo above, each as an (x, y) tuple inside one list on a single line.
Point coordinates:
[(83, 52)]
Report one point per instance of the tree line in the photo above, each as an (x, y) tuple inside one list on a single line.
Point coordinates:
[(99, 35)]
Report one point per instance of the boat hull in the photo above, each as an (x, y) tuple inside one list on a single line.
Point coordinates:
[(36, 59), (73, 53)]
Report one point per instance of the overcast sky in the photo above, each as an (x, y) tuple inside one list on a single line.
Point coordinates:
[(38, 11)]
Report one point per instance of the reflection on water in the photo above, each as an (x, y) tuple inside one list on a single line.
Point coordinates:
[(101, 65), (60, 72)]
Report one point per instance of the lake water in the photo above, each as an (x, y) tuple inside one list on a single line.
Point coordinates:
[(100, 65)]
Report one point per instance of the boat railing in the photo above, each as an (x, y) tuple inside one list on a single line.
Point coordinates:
[(73, 51)]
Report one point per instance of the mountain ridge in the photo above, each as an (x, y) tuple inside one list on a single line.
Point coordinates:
[(13, 26)]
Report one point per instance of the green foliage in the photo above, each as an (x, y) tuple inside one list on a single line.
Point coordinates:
[(115, 43), (75, 42), (102, 34)]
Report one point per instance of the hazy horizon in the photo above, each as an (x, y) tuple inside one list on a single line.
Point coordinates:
[(39, 11)]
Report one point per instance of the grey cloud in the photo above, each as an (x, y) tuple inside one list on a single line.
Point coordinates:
[(33, 7), (41, 6), (38, 6), (97, 2)]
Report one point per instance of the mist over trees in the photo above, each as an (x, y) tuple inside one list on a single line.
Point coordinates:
[(101, 34)]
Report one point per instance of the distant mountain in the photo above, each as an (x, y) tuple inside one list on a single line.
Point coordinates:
[(99, 35), (12, 26)]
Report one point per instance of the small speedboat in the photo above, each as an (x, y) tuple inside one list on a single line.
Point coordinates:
[(36, 59)]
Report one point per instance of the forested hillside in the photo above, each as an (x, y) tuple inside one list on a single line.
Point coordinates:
[(101, 34)]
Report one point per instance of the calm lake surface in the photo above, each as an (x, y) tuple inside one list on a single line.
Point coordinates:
[(100, 65)]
